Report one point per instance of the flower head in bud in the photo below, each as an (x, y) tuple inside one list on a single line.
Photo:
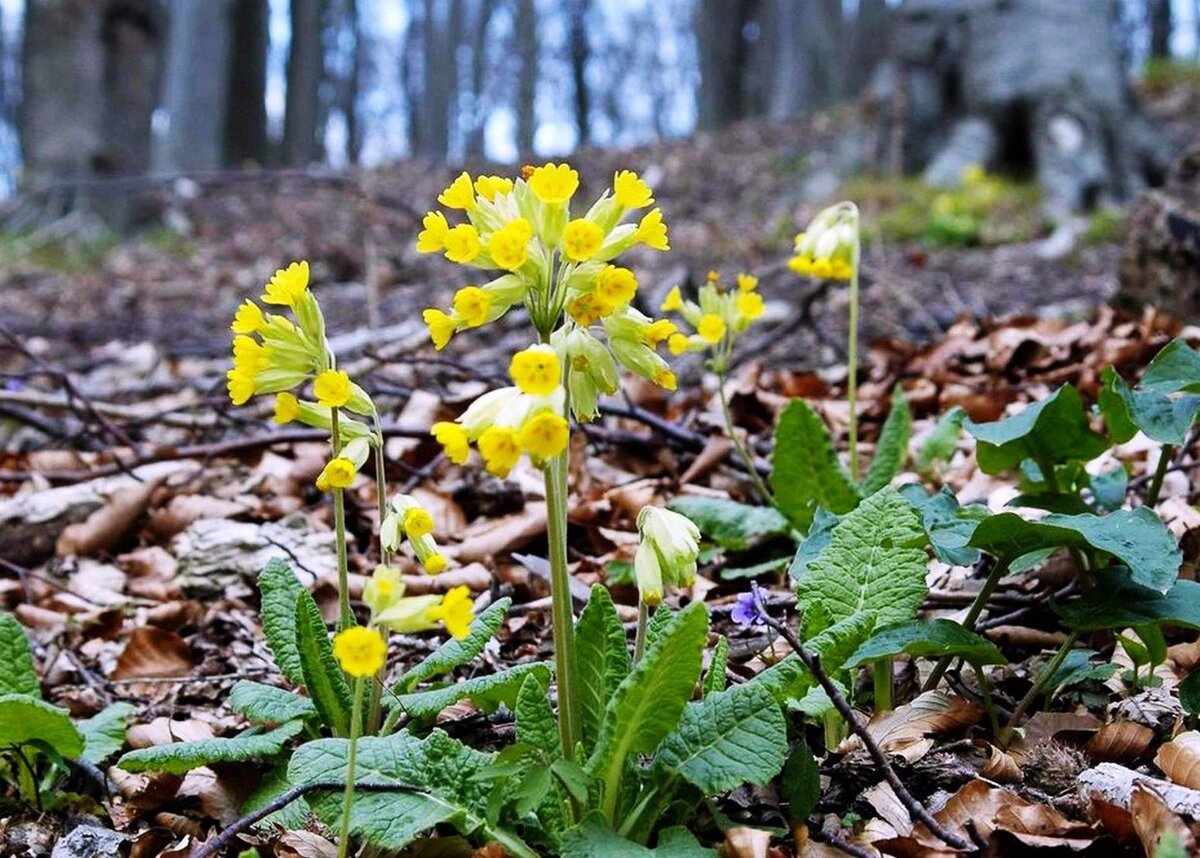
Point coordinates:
[(581, 239), (338, 473), (489, 187), (360, 651), (711, 327), (455, 612), (287, 408), (249, 319), (669, 548), (500, 449), (434, 564), (441, 326), (553, 183), (544, 435), (432, 239), (536, 370), (652, 232), (460, 194), (332, 388), (471, 304), (462, 243), (383, 589), (453, 439), (288, 285), (630, 191)]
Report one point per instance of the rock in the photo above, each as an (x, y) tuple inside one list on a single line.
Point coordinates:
[(1160, 265), (88, 841), (973, 141)]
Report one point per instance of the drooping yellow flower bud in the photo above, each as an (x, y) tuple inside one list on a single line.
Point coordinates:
[(665, 379), (544, 435), (360, 651), (630, 191), (441, 326), (338, 473), (288, 285), (677, 344), (581, 239), (500, 451), (652, 232), (249, 318), (657, 331), (554, 183), (432, 239), (471, 304), (460, 194), (417, 522), (434, 564), (462, 243), (453, 439), (332, 388), (287, 408), (673, 301), (536, 370)]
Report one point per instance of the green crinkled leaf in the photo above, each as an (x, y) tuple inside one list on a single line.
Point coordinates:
[(536, 724), (800, 785), (646, 706), (892, 448), (1175, 368), (816, 704), (1053, 430), (487, 692), (948, 525), (323, 677), (17, 675), (266, 704), (927, 639), (805, 471), (714, 678), (1162, 418), (279, 587), (1117, 601), (819, 535), (440, 771), (104, 732), (728, 739), (25, 719), (732, 525), (942, 441), (790, 680), (181, 757), (455, 653), (662, 617), (593, 838), (601, 661), (1137, 538), (872, 563), (275, 783)]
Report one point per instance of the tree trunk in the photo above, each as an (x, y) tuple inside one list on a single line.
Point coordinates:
[(246, 120), (352, 86), (478, 118), (1158, 13), (722, 52), (197, 93), (527, 50), (869, 43), (305, 70), (578, 38)]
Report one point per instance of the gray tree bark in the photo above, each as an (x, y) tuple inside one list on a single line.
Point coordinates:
[(305, 71), (197, 88), (1158, 15), (479, 85), (723, 54), (527, 50), (246, 116), (577, 12)]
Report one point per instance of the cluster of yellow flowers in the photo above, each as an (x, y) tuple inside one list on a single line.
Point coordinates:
[(561, 269), (828, 249), (718, 318)]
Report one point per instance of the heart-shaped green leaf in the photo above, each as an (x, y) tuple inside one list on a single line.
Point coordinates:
[(1051, 431), (1118, 602), (927, 639)]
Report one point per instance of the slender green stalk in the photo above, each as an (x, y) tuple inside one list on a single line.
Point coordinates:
[(832, 723), (1038, 687), (345, 615), (1164, 462), (374, 710), (561, 608), (882, 678), (348, 796), (999, 568), (852, 361), (742, 452), (639, 640), (989, 705)]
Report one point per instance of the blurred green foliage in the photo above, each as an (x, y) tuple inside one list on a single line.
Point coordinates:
[(1161, 74)]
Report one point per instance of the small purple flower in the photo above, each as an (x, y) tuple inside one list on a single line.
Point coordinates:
[(746, 613)]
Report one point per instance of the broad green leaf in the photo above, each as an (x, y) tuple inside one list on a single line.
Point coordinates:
[(892, 448), (488, 692), (728, 739), (767, 568), (789, 679), (732, 525), (942, 441), (454, 652), (181, 757), (1053, 430), (601, 661), (819, 535), (662, 617), (927, 639), (323, 678), (805, 472), (1162, 418), (1109, 488), (1078, 667), (17, 675), (1136, 537), (275, 783), (648, 703), (816, 704), (279, 587), (872, 563), (714, 678), (1175, 368), (266, 704), (25, 719), (947, 524), (593, 838), (1117, 601), (1189, 693), (800, 785), (104, 732), (440, 771), (536, 725)]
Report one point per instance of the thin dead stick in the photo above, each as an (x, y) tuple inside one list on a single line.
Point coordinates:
[(915, 809), (841, 845)]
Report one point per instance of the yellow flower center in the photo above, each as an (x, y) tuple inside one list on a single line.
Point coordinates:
[(581, 239)]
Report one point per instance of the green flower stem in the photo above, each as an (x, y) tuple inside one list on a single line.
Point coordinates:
[(639, 640), (561, 609), (345, 615), (746, 458), (989, 705), (1037, 688), (882, 677), (1164, 462), (374, 710), (999, 568), (852, 361), (832, 722), (348, 798)]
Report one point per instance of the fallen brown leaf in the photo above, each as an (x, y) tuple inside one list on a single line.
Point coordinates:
[(1179, 759), (1155, 823), (905, 731), (1119, 742), (106, 527), (153, 653), (746, 843)]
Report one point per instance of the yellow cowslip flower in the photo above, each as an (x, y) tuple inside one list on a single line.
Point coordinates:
[(665, 379), (536, 370), (747, 282), (432, 239), (460, 194), (840, 269), (417, 522), (249, 318), (441, 326), (554, 183), (454, 441), (360, 651), (338, 473), (462, 243), (711, 327), (822, 268), (581, 239), (240, 385), (249, 354), (500, 450), (677, 344), (544, 435), (750, 305), (288, 285), (287, 408), (332, 388), (652, 232), (489, 187), (802, 265), (509, 245), (471, 305), (615, 286), (630, 191), (587, 309), (673, 301), (455, 611), (657, 331), (434, 564), (383, 589)]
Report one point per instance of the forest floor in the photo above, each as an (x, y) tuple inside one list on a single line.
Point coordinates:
[(136, 505)]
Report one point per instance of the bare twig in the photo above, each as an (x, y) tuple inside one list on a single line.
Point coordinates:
[(839, 844)]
